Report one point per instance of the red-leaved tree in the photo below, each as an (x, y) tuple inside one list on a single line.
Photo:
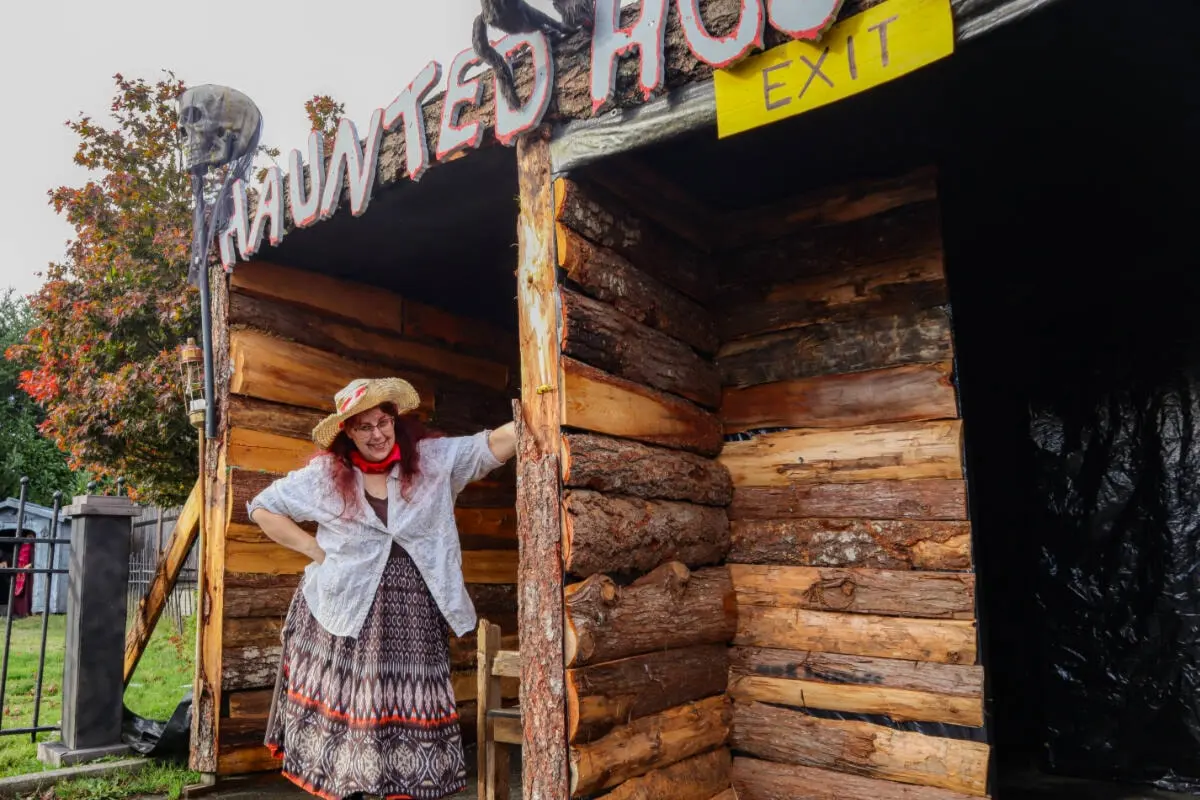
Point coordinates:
[(102, 358)]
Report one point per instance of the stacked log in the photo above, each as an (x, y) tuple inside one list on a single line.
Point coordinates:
[(650, 608), (296, 338), (850, 550)]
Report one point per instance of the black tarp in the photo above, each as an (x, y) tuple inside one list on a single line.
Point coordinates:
[(162, 740), (1118, 585)]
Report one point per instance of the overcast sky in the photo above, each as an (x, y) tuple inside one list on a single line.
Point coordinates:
[(60, 58)]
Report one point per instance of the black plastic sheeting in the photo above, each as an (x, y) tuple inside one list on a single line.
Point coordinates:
[(163, 741), (1119, 585)]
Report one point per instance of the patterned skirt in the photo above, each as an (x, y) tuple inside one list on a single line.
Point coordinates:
[(374, 714)]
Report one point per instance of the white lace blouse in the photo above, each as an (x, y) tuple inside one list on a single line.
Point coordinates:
[(356, 544)]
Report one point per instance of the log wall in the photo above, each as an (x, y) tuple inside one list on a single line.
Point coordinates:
[(850, 551), (295, 338), (649, 603)]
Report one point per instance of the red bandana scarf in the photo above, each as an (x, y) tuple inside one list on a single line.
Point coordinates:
[(376, 467)]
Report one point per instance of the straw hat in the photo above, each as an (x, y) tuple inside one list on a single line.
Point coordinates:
[(361, 395)]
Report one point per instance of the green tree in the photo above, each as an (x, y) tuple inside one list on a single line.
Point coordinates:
[(101, 357), (23, 450)]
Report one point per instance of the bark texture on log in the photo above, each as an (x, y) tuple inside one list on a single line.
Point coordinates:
[(253, 703), (649, 743), (270, 598), (701, 777), (919, 337), (253, 414), (860, 748), (904, 232), (250, 667), (899, 286), (537, 416), (917, 676), (756, 779), (899, 394), (900, 705), (603, 274), (930, 499), (597, 334), (898, 451), (609, 533), (621, 466), (941, 641), (603, 696), (596, 401), (599, 217), (268, 452), (881, 544), (670, 607), (933, 595)]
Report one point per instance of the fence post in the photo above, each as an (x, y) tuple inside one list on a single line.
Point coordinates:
[(93, 679)]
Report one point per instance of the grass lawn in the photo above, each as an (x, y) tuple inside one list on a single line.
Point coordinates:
[(162, 678)]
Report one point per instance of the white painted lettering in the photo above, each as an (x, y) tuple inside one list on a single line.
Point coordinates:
[(721, 51), (238, 226), (406, 108), (511, 122), (459, 93), (270, 207), (357, 164), (305, 210), (803, 19), (610, 42)]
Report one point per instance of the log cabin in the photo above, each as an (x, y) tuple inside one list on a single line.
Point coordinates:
[(735, 551)]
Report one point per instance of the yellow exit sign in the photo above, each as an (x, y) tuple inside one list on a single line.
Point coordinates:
[(879, 45)]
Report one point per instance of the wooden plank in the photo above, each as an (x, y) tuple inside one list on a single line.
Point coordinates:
[(464, 651), (900, 394), (246, 760), (648, 744), (603, 274), (507, 664), (248, 550), (911, 499), (829, 206), (350, 340), (357, 302), (891, 287), (882, 544), (466, 687), (669, 608), (930, 595), (941, 641), (294, 374), (860, 748), (507, 729), (538, 417), (252, 414), (917, 337), (595, 401), (468, 335), (621, 466), (896, 451), (701, 777), (958, 680), (756, 779), (268, 452), (598, 334), (260, 595), (170, 564), (250, 666), (254, 703), (603, 696), (900, 705), (600, 218), (253, 631)]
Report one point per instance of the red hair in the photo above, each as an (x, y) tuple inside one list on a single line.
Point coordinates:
[(408, 431)]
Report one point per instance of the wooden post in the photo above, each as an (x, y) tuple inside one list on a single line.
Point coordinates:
[(539, 522), (493, 758)]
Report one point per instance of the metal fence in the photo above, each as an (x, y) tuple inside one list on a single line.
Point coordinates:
[(152, 531), (20, 573)]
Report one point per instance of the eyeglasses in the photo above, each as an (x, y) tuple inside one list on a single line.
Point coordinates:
[(365, 429)]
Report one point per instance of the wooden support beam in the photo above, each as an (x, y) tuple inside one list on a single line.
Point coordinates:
[(932, 499), (596, 401), (538, 419), (611, 533), (170, 564), (897, 451), (603, 696), (913, 337), (596, 333), (621, 466), (940, 641), (648, 744), (603, 274), (860, 748), (670, 607), (880, 543), (900, 394), (756, 779), (931, 595), (702, 777)]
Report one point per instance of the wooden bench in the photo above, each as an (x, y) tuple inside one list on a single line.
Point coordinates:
[(498, 728)]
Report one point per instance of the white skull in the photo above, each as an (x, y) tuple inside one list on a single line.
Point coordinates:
[(221, 124)]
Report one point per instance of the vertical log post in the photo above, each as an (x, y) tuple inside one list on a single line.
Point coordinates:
[(539, 524)]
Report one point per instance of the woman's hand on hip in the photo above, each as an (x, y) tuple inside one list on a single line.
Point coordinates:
[(286, 532)]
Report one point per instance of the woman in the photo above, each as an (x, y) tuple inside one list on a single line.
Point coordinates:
[(363, 703), (22, 585)]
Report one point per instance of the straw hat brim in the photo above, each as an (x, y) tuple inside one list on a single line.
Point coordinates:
[(382, 390)]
